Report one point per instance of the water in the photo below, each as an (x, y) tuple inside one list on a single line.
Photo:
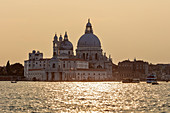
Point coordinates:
[(84, 97)]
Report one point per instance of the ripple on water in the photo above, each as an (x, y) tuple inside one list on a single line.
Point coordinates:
[(84, 96)]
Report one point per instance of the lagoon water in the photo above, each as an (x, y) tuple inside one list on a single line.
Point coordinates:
[(84, 97)]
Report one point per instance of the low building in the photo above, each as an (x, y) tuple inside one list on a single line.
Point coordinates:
[(132, 69)]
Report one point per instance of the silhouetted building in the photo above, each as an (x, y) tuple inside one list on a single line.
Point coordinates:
[(161, 70), (132, 69), (89, 63)]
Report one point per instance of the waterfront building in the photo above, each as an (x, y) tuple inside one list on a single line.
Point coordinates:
[(89, 63), (161, 70), (132, 69)]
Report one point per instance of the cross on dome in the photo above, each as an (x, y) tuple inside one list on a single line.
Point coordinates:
[(89, 20)]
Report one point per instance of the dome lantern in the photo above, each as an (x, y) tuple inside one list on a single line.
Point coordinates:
[(88, 27), (65, 36), (89, 39)]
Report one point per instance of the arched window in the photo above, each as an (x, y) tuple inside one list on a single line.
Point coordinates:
[(54, 53), (69, 52), (55, 45), (96, 57), (53, 65), (83, 55)]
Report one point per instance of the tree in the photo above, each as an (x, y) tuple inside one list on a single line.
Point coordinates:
[(8, 68), (17, 69)]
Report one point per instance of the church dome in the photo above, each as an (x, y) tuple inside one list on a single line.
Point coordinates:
[(89, 39), (66, 44)]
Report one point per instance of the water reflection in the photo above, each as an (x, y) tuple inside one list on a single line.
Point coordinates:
[(84, 96)]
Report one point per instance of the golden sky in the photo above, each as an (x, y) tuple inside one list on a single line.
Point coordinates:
[(126, 28)]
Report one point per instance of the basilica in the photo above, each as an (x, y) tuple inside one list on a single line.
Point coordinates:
[(89, 64)]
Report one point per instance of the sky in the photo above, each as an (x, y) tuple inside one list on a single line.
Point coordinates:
[(127, 29)]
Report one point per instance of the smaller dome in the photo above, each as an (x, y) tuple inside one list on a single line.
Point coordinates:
[(66, 45), (34, 51)]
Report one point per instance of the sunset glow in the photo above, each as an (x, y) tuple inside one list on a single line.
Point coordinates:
[(127, 29)]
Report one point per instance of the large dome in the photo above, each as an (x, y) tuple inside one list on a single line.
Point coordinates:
[(89, 39)]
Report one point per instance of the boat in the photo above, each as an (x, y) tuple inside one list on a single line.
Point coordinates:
[(129, 80), (136, 80), (13, 81), (151, 78), (155, 83)]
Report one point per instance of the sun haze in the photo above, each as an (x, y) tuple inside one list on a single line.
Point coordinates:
[(126, 28)]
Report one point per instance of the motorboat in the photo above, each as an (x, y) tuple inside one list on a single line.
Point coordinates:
[(151, 78), (13, 81), (129, 80), (155, 83), (136, 80)]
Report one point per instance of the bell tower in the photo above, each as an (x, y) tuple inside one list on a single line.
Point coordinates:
[(55, 46)]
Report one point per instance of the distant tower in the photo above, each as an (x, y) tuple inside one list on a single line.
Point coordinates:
[(55, 46), (60, 38)]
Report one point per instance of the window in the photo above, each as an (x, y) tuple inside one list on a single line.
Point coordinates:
[(83, 55), (54, 53), (53, 65), (96, 57)]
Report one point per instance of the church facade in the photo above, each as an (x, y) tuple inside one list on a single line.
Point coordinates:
[(89, 63)]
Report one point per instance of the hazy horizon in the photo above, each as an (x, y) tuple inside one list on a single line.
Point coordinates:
[(127, 29)]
